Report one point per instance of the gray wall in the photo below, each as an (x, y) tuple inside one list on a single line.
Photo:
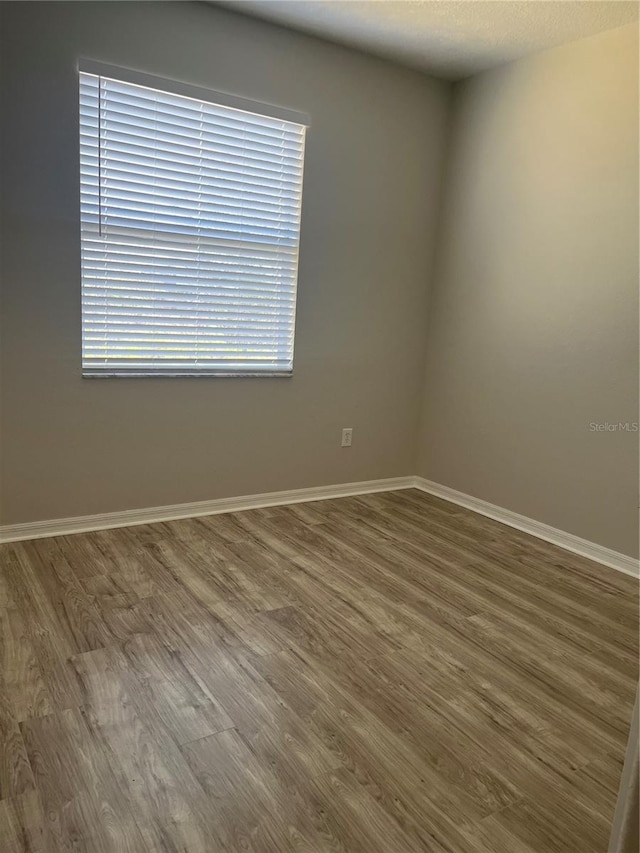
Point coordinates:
[(72, 446), (533, 323)]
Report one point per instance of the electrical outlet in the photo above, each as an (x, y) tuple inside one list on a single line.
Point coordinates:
[(347, 435)]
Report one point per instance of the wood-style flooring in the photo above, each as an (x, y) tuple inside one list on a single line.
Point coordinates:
[(382, 674)]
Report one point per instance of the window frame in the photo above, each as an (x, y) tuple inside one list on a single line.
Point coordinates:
[(222, 99)]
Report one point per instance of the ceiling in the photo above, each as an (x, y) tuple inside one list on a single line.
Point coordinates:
[(448, 38)]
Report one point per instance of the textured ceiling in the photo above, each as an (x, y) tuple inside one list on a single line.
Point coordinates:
[(449, 38)]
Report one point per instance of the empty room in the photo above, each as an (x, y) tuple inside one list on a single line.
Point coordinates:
[(319, 426)]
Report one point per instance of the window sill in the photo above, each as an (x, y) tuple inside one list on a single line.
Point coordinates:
[(199, 374)]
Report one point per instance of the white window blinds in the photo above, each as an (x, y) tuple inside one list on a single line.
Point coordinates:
[(190, 215)]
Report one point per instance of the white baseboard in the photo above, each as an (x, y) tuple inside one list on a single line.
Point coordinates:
[(568, 541), (128, 518)]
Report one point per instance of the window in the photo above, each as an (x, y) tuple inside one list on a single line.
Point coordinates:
[(190, 224)]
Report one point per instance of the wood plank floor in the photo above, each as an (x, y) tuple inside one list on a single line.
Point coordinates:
[(382, 674)]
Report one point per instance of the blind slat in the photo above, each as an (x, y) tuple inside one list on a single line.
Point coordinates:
[(141, 94), (190, 216), (173, 178), (150, 135), (178, 123), (149, 150), (172, 246), (186, 199)]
